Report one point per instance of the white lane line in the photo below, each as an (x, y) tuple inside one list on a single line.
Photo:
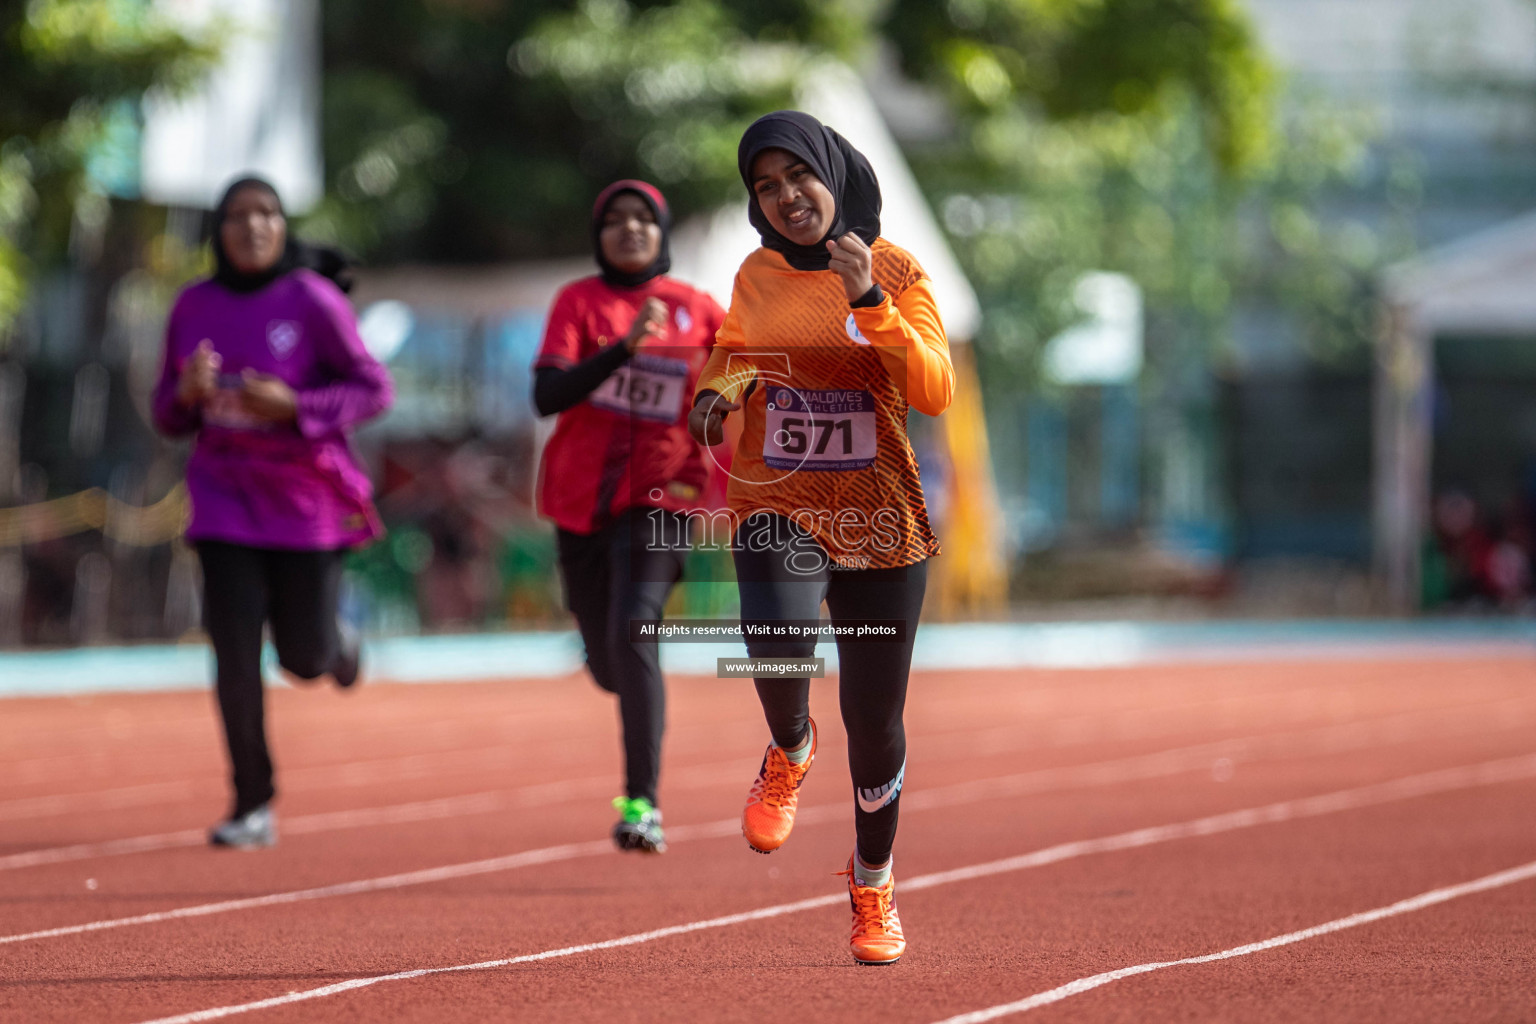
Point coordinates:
[(342, 775), (99, 800), (1469, 776), (105, 848), (548, 954), (1238, 750), (393, 814), (1101, 773), (390, 814), (1329, 739), (1510, 712), (1504, 712), (1146, 766), (1407, 906), (426, 876), (1488, 773), (1413, 785)]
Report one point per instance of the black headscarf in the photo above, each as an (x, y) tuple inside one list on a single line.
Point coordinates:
[(323, 260), (843, 169), (653, 198)]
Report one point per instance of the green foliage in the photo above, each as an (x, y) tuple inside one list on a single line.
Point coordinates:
[(1131, 135), (65, 68), (1131, 193), (530, 108), (1145, 195), (1319, 268), (1082, 58), (1139, 136), (478, 131)]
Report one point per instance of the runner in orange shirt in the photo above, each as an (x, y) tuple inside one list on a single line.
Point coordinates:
[(831, 335)]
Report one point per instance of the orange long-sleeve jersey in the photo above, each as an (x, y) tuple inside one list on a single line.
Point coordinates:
[(824, 441)]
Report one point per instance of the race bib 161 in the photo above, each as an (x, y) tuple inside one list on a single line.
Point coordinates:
[(647, 387)]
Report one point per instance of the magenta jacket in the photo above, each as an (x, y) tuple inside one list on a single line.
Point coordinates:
[(293, 486)]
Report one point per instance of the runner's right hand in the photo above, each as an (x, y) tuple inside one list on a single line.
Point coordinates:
[(199, 375), (651, 321), (704, 421)]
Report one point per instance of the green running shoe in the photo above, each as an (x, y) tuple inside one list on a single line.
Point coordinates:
[(639, 826)]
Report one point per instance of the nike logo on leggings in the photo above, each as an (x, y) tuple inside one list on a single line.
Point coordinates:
[(871, 800)]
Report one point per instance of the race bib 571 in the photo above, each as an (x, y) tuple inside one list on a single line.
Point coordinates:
[(819, 430)]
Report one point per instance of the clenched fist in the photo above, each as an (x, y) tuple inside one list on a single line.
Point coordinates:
[(650, 322), (267, 397), (851, 261), (705, 420), (199, 375)]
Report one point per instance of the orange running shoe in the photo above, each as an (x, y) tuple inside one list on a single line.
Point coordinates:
[(770, 810), (877, 939)]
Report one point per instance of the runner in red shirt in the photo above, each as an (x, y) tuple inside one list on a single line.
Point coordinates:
[(621, 355)]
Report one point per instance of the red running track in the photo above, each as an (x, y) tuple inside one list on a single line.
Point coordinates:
[(1061, 832)]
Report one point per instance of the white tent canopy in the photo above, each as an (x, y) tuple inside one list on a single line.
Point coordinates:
[(257, 111), (1483, 285)]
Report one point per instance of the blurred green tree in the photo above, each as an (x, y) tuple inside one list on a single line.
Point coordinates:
[(1036, 203), (70, 72), (1148, 137), (554, 101), (1124, 135)]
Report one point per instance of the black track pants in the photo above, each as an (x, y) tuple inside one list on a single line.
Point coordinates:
[(782, 583), (245, 588), (619, 575)]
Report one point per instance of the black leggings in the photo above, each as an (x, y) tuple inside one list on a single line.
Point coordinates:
[(619, 575), (244, 588), (781, 582)]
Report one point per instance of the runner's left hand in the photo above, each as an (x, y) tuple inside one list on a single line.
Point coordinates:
[(852, 261), (268, 397)]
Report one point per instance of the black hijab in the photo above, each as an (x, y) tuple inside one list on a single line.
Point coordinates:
[(843, 169), (652, 197), (323, 260)]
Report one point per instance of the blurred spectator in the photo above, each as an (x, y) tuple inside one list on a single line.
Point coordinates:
[(1508, 573), (1473, 562), (471, 552)]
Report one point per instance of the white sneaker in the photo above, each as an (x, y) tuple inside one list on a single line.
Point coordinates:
[(349, 657), (250, 832)]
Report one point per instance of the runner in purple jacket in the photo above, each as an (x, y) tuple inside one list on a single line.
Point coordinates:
[(264, 365)]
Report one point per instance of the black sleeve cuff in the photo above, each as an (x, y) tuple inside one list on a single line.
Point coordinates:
[(556, 390), (873, 297)]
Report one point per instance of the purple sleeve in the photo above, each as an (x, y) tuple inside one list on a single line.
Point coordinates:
[(171, 417), (359, 387)]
